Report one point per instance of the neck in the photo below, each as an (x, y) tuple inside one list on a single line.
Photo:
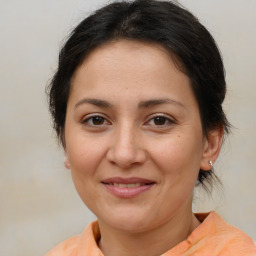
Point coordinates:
[(153, 242)]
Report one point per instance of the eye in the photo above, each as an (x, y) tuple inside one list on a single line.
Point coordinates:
[(160, 120), (96, 120)]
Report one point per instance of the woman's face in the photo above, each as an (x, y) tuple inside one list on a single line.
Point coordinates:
[(134, 141)]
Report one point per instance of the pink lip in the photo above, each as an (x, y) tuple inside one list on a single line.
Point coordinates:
[(127, 180), (127, 192)]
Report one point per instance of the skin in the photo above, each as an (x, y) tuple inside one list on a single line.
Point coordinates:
[(128, 140)]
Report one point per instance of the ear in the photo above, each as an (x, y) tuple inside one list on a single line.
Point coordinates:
[(212, 146), (66, 162)]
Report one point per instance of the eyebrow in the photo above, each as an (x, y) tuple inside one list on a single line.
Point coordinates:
[(142, 104), (155, 102), (95, 102)]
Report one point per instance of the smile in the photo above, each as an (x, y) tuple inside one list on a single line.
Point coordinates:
[(127, 187), (132, 185)]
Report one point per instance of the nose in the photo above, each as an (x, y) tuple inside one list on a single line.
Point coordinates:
[(126, 149)]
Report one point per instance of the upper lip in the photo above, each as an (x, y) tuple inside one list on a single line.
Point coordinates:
[(131, 180)]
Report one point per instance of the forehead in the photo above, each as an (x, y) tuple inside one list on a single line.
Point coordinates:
[(130, 54), (143, 69), (127, 48)]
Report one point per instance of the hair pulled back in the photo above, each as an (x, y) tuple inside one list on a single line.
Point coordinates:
[(168, 24)]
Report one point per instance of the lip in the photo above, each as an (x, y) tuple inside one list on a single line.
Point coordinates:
[(142, 185)]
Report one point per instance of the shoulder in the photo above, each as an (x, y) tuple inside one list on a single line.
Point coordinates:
[(84, 244), (225, 238), (68, 247)]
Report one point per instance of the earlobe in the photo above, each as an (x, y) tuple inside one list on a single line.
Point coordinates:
[(211, 148), (66, 162)]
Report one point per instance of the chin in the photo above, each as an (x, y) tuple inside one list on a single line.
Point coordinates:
[(128, 220), (130, 225)]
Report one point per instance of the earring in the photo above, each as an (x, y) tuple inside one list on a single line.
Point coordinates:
[(210, 163)]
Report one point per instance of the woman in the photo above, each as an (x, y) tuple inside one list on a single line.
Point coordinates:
[(136, 102)]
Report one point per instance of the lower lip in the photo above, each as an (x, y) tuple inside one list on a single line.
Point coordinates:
[(127, 192)]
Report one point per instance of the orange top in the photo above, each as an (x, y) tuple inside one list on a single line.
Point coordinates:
[(214, 237)]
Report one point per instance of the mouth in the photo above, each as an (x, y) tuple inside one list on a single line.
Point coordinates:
[(127, 187), (131, 185)]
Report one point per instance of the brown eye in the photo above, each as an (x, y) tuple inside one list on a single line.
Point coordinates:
[(160, 120), (97, 120)]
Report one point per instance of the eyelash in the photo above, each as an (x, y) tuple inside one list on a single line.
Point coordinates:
[(167, 121), (165, 118), (87, 120)]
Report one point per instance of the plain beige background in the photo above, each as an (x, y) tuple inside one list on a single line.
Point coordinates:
[(39, 206)]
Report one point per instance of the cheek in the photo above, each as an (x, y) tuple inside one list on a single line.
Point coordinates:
[(179, 155), (84, 155)]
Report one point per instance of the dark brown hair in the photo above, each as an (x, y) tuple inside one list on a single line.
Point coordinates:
[(161, 22)]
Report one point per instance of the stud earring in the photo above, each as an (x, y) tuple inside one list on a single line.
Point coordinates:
[(210, 163)]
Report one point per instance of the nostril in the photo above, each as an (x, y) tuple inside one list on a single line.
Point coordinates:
[(125, 151)]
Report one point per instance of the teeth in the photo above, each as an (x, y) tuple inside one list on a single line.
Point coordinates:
[(132, 185)]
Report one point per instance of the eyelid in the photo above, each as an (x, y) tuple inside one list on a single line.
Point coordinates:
[(170, 119), (87, 117)]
